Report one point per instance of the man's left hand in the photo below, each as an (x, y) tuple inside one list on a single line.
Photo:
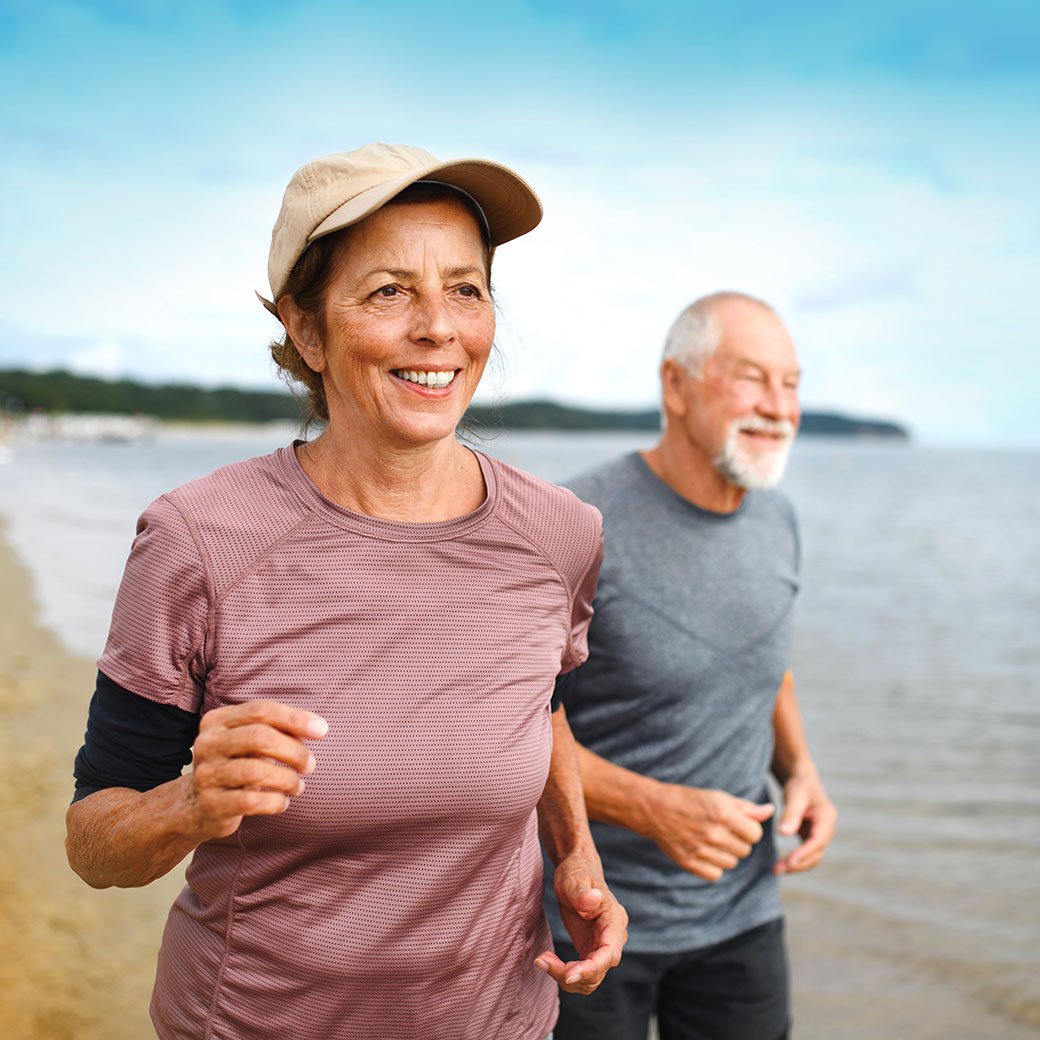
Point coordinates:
[(809, 813), (596, 921)]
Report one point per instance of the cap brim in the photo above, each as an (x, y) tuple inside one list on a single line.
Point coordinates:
[(268, 305), (510, 204)]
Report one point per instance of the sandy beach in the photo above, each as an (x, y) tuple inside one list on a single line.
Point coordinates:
[(78, 963)]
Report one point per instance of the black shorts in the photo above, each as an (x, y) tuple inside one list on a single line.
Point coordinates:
[(735, 990)]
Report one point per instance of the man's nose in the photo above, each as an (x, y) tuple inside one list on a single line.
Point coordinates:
[(779, 401)]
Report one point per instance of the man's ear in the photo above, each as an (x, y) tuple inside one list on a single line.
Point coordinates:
[(300, 326), (674, 385)]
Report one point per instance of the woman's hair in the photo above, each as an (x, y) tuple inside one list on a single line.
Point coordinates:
[(309, 281)]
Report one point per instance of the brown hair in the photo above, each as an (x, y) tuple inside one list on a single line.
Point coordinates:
[(309, 281)]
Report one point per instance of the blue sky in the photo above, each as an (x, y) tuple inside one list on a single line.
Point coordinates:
[(872, 170)]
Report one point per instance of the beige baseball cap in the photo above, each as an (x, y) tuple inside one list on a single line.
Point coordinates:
[(335, 191)]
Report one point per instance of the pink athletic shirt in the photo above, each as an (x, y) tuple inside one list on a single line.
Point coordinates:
[(400, 895)]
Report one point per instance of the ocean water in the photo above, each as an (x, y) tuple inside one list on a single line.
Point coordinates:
[(917, 657), (916, 654), (71, 507)]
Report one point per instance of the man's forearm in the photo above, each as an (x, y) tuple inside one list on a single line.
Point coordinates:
[(808, 811), (614, 794), (791, 749)]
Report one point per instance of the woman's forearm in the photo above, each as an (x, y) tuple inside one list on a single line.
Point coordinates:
[(563, 824), (125, 838), (248, 760), (594, 919)]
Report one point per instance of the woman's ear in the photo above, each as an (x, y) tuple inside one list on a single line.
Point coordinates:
[(303, 333)]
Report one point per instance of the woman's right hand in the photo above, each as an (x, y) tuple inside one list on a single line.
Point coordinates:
[(249, 760)]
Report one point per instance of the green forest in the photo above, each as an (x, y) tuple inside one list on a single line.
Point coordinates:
[(22, 391), (58, 391)]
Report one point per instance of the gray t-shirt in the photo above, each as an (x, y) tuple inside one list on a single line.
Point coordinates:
[(687, 648)]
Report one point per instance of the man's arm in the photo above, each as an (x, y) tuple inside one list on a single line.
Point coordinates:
[(705, 831), (807, 809), (596, 921)]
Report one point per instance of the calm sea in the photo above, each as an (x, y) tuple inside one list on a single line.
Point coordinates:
[(916, 653)]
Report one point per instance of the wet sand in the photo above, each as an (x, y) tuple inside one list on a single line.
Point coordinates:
[(78, 963)]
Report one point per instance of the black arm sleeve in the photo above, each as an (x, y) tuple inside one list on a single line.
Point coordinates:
[(561, 689), (131, 741)]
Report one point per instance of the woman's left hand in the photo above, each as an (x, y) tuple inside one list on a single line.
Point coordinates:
[(596, 921)]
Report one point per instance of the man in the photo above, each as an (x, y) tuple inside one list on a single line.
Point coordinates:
[(685, 704)]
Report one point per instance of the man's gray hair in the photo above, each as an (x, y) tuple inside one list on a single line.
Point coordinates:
[(696, 333)]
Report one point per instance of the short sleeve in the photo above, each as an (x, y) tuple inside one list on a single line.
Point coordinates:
[(581, 602), (157, 642)]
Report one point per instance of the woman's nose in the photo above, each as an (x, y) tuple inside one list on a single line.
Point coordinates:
[(434, 324)]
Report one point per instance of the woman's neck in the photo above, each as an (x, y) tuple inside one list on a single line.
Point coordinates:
[(417, 485)]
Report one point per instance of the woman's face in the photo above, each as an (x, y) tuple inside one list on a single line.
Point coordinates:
[(409, 324)]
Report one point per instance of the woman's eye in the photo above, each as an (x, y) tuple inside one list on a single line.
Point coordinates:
[(386, 291), (469, 290)]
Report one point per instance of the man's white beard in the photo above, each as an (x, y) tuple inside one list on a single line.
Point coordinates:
[(750, 469)]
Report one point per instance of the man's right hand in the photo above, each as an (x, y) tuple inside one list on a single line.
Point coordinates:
[(706, 832)]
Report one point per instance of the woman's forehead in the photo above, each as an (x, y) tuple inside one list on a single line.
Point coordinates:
[(397, 237)]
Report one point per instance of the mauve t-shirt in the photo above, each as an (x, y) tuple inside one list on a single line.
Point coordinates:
[(400, 895)]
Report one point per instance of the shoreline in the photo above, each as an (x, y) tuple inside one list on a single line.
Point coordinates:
[(78, 963)]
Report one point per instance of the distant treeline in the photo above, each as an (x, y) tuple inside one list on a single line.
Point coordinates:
[(547, 415), (22, 391), (60, 391)]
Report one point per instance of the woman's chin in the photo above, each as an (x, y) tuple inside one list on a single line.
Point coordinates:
[(423, 430)]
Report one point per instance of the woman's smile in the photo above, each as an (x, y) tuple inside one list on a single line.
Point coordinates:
[(429, 380)]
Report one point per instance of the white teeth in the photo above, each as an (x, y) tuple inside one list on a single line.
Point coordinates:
[(431, 379)]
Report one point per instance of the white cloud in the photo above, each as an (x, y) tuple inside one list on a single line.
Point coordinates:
[(106, 359), (893, 224)]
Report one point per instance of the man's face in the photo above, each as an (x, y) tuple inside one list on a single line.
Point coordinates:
[(743, 411)]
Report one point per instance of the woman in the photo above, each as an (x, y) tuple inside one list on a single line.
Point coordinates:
[(383, 612)]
